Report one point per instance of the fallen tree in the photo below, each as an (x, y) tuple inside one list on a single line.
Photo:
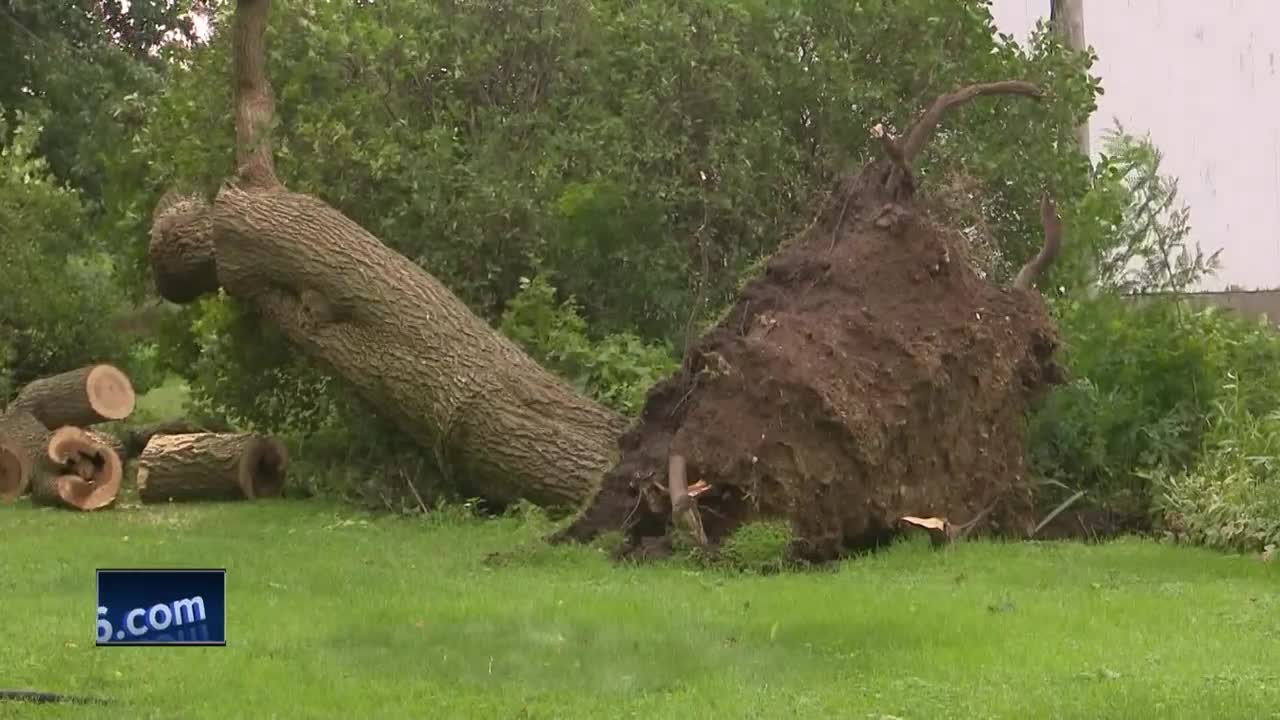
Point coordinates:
[(868, 374), (211, 466), (81, 397), (499, 424)]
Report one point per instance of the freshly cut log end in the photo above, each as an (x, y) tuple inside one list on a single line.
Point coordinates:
[(211, 466), (22, 442), (86, 471), (82, 397)]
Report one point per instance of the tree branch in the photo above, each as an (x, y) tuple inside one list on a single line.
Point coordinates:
[(1052, 244), (255, 104)]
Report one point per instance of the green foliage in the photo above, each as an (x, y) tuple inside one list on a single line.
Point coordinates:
[(1129, 232), (86, 63), (1230, 498), (617, 370), (57, 296), (1141, 388)]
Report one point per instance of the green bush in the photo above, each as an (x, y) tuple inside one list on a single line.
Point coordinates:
[(1230, 497), (58, 292), (617, 370), (1141, 389), (1173, 418)]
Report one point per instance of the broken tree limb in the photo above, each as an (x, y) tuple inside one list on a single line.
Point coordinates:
[(684, 508), (211, 466), (81, 397), (23, 440), (85, 472)]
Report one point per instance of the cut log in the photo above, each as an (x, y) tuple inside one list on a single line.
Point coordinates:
[(23, 440), (211, 466), (79, 398), (84, 472)]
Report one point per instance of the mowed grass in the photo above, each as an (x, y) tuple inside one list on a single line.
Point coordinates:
[(333, 614)]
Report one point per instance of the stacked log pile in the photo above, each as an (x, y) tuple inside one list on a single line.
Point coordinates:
[(49, 451)]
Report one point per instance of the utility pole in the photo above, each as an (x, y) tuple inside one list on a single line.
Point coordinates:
[(1066, 17)]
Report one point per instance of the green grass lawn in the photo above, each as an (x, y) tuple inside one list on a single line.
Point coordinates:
[(331, 614)]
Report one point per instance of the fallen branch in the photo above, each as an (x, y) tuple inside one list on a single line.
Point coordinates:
[(81, 397), (211, 466)]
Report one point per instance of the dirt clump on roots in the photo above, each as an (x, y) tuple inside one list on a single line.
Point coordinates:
[(868, 373)]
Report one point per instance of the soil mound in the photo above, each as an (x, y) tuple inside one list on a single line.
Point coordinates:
[(868, 373)]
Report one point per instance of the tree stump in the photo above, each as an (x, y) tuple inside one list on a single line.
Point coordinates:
[(79, 398), (23, 440), (83, 471), (211, 466)]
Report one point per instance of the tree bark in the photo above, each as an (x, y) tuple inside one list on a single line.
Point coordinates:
[(211, 466), (82, 397), (504, 427), (1067, 19), (23, 440)]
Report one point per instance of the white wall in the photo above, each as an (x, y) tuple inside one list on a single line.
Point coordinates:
[(1203, 78)]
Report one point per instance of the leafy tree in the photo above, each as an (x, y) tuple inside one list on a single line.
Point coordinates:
[(55, 296)]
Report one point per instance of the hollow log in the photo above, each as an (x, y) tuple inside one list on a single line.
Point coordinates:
[(23, 440), (79, 398), (211, 466), (84, 472)]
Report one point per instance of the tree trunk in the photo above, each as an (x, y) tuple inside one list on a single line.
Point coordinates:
[(23, 440), (82, 397), (1067, 19), (85, 472), (211, 466), (504, 427)]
